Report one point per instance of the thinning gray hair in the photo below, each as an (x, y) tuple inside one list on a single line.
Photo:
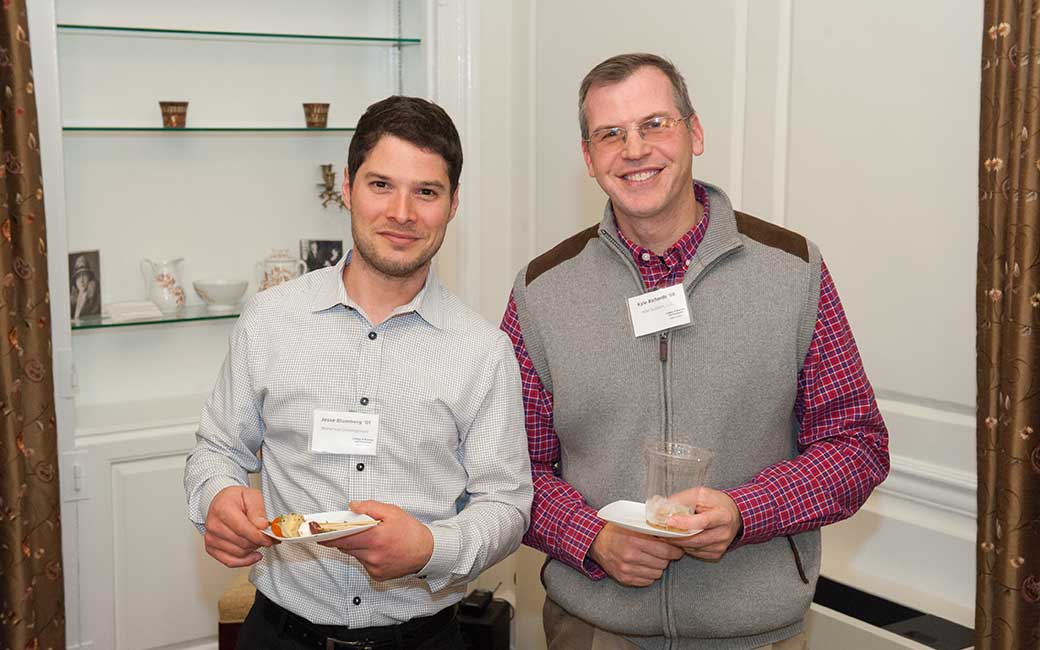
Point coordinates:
[(618, 68)]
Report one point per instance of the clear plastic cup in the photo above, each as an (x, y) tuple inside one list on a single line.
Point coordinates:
[(672, 467)]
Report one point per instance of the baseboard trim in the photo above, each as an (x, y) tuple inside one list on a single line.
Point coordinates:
[(928, 630)]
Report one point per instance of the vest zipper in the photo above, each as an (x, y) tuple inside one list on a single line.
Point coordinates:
[(666, 579)]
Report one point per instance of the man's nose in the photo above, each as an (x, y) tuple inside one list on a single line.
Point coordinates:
[(635, 145), (400, 208)]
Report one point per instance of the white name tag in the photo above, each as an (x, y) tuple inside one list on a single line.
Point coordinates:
[(659, 310), (345, 432)]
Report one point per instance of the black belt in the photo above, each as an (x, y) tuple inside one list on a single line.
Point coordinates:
[(405, 635)]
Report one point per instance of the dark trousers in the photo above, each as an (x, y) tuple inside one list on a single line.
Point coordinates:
[(261, 631)]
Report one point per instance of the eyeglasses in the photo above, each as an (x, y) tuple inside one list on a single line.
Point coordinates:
[(655, 129)]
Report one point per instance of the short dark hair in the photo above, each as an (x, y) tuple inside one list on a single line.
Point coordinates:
[(618, 68), (413, 119)]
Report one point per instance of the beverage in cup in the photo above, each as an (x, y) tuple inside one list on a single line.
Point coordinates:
[(672, 467)]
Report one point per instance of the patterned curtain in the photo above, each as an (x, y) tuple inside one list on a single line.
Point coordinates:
[(32, 602), (1007, 612)]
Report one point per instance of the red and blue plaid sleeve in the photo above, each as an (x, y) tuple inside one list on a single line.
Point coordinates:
[(562, 524), (843, 442)]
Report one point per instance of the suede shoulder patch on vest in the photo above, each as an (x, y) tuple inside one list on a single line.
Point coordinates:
[(772, 235), (560, 253)]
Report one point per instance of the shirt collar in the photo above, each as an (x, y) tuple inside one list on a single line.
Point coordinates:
[(331, 292), (684, 248)]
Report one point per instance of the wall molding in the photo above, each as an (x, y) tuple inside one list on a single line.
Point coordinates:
[(943, 488), (782, 120), (741, 43)]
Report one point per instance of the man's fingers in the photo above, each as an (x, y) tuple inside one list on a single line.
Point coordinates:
[(235, 526), (640, 575), (687, 522), (661, 550), (235, 562), (707, 555), (239, 523), (672, 552), (253, 505), (217, 529), (224, 546)]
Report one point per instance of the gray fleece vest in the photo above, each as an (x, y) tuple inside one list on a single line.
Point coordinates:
[(726, 382)]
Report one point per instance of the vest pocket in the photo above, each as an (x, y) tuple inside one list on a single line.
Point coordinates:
[(797, 559)]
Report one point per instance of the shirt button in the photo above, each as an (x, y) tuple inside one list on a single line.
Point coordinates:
[(357, 600), (372, 335), (360, 467), (645, 256), (688, 260), (364, 401)]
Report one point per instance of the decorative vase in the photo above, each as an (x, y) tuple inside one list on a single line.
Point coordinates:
[(317, 115), (174, 114)]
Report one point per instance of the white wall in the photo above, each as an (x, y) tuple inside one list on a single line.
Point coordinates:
[(852, 123)]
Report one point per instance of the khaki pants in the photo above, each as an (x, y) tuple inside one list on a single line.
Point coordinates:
[(566, 632)]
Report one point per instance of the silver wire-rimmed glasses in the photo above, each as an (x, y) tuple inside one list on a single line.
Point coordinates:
[(658, 128)]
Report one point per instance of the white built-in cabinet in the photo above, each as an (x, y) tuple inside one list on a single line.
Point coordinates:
[(240, 181)]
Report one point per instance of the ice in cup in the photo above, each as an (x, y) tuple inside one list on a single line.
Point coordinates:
[(672, 467)]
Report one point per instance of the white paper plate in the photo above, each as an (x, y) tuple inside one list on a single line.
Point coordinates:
[(334, 516), (631, 515)]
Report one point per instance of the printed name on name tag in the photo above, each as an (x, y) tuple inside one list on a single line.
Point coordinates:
[(345, 432), (659, 310)]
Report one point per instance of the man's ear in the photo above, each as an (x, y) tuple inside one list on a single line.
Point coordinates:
[(697, 132), (588, 158), (454, 203)]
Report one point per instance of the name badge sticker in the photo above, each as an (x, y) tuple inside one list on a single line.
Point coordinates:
[(659, 310), (345, 432)]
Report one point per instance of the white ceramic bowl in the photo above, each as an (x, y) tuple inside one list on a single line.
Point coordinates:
[(221, 296)]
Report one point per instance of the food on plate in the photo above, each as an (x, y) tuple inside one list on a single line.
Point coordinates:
[(287, 525), (292, 525), (329, 526)]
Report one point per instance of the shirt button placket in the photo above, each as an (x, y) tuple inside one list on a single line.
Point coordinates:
[(369, 375)]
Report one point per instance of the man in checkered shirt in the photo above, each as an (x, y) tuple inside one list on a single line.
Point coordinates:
[(753, 359), (368, 385)]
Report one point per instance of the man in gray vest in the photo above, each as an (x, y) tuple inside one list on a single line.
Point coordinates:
[(754, 361)]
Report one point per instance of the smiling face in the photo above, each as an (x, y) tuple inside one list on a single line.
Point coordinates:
[(400, 205), (643, 180)]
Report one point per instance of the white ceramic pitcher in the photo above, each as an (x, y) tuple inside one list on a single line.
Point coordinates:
[(163, 282)]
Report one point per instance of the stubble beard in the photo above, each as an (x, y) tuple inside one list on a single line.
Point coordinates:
[(390, 268)]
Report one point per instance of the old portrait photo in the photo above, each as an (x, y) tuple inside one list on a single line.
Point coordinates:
[(84, 284), (319, 253)]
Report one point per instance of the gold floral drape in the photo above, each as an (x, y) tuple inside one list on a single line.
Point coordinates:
[(32, 603), (1008, 317)]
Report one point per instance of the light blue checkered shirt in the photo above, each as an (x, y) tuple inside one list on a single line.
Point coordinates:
[(452, 450)]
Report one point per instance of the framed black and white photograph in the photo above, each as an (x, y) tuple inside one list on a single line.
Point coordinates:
[(84, 284), (319, 253)]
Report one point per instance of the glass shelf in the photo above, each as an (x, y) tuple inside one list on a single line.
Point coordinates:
[(387, 40), (206, 129), (191, 313)]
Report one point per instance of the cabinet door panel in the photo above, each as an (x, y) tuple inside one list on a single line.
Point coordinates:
[(166, 587)]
